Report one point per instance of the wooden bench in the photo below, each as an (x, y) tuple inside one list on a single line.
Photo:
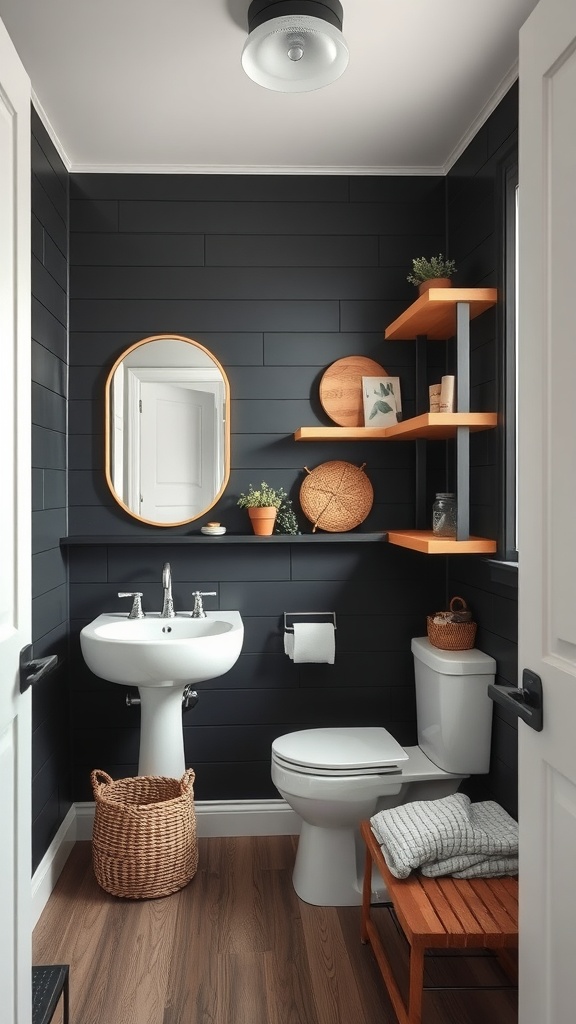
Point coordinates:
[(435, 913)]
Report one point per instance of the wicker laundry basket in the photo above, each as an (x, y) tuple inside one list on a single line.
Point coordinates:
[(144, 841), (457, 632), (336, 496)]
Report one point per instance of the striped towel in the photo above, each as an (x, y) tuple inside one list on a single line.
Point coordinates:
[(448, 836), (491, 821)]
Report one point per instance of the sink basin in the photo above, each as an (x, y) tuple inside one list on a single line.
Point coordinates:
[(161, 657), (162, 652)]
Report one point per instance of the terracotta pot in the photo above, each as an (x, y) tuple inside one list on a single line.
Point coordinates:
[(434, 282), (263, 520)]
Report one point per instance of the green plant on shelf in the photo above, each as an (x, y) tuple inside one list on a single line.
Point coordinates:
[(286, 521), (424, 269), (264, 497)]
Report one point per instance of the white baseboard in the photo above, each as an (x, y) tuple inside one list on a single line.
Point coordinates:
[(246, 818), (221, 818), (213, 818), (48, 871)]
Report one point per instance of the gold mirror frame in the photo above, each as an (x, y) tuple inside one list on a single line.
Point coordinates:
[(108, 414)]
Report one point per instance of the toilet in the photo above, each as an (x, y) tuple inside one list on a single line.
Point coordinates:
[(335, 777)]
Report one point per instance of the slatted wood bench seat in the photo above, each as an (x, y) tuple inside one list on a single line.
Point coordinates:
[(435, 913)]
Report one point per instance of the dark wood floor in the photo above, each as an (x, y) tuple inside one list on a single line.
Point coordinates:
[(237, 946)]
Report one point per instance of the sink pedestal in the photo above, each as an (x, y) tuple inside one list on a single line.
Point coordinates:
[(161, 737)]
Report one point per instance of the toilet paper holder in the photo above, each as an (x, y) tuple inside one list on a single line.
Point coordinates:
[(289, 618)]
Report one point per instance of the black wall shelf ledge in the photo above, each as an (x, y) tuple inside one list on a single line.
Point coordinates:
[(228, 538)]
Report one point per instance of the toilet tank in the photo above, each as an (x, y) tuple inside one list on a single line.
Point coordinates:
[(454, 711)]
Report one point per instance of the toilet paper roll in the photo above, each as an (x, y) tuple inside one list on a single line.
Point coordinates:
[(289, 644), (314, 642)]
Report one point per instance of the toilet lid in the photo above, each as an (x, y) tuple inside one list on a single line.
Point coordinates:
[(343, 751)]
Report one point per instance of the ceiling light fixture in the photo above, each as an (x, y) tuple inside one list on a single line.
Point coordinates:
[(295, 45)]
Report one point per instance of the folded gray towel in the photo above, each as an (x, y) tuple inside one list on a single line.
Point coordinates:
[(488, 819), (446, 836), (492, 867)]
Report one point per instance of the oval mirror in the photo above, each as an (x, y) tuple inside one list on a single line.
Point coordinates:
[(167, 430)]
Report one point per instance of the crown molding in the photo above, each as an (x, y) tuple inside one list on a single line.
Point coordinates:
[(249, 169), (53, 137), (488, 108)]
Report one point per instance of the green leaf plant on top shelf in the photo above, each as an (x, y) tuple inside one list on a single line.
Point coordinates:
[(433, 272), (264, 497)]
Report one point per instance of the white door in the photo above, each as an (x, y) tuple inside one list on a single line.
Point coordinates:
[(177, 452), (547, 510), (15, 601)]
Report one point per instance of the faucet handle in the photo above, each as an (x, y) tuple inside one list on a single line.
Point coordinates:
[(198, 611), (136, 610)]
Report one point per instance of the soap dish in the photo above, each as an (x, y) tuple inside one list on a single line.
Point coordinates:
[(212, 531)]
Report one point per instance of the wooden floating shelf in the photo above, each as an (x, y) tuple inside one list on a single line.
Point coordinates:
[(435, 426), (434, 313), (428, 543), (439, 426), (340, 434)]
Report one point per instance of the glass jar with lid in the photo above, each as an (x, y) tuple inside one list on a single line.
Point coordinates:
[(444, 514)]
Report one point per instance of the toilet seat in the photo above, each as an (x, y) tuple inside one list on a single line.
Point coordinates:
[(340, 752), (335, 773)]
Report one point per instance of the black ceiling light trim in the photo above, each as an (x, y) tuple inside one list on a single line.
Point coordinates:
[(260, 11)]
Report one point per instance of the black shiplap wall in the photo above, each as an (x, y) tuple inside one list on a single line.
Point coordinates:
[(475, 226), (51, 796), (278, 276), (380, 596)]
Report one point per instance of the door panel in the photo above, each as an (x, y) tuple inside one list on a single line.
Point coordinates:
[(15, 527), (547, 499)]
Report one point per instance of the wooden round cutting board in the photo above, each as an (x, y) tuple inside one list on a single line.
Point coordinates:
[(341, 389)]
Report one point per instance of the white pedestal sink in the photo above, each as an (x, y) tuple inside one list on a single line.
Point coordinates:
[(161, 657)]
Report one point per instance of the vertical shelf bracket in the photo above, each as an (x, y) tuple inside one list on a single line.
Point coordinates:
[(463, 483), (463, 433), (421, 448), (463, 357), (421, 517)]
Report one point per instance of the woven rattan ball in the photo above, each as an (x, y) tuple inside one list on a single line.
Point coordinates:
[(336, 496)]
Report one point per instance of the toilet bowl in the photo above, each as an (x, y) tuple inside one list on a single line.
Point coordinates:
[(335, 777)]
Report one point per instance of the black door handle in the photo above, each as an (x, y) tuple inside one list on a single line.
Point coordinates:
[(524, 701), (32, 670)]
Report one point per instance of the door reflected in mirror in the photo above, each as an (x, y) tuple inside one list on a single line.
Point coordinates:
[(167, 431)]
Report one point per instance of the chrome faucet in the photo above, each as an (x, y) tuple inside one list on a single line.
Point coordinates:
[(167, 604)]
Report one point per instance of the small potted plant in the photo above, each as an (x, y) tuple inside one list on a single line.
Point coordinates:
[(262, 505), (286, 520), (431, 273)]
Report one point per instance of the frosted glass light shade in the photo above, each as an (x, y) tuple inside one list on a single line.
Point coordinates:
[(295, 53)]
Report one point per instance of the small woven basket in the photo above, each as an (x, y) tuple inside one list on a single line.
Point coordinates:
[(336, 496), (453, 636), (144, 841)]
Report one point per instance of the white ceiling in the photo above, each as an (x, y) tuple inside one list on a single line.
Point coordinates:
[(157, 85)]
